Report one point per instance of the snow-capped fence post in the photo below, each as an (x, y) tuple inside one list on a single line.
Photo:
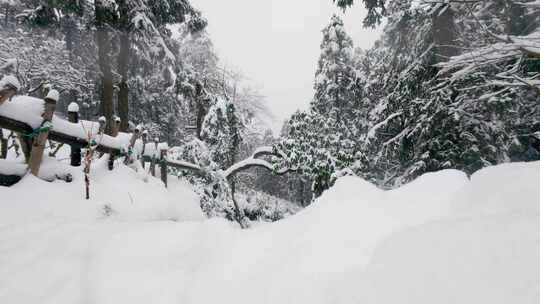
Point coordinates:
[(134, 136), (144, 138), (41, 134), (3, 145), (114, 133), (9, 85), (153, 160), (102, 124), (163, 163), (73, 117)]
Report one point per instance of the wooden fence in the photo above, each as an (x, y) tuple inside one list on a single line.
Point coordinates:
[(33, 143)]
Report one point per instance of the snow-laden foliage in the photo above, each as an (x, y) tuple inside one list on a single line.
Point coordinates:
[(150, 62), (450, 84), (323, 140)]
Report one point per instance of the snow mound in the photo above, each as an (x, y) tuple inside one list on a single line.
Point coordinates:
[(440, 239), (503, 188), (482, 260)]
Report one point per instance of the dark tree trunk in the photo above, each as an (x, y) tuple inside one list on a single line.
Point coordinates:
[(444, 33), (201, 109), (123, 94), (104, 59), (123, 65), (6, 18)]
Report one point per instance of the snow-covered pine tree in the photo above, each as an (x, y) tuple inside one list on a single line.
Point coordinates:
[(322, 140), (450, 85)]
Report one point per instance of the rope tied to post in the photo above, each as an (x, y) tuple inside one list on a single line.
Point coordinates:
[(46, 127)]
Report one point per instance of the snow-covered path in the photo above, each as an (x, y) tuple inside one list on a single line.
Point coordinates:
[(441, 239)]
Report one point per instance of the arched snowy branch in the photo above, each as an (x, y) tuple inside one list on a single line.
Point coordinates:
[(254, 161)]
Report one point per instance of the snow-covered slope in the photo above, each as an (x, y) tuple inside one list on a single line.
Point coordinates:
[(440, 239)]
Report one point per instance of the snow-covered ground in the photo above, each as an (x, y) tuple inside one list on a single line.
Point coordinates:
[(441, 239)]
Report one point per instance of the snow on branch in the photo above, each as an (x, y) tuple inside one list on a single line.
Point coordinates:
[(254, 161), (183, 165), (371, 133), (507, 48)]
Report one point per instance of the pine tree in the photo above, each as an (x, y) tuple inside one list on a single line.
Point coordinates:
[(335, 77)]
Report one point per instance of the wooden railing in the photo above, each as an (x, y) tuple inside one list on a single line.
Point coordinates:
[(76, 143), (70, 133)]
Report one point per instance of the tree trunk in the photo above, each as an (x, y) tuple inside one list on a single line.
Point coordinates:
[(444, 34), (201, 111), (7, 15), (104, 59), (123, 94)]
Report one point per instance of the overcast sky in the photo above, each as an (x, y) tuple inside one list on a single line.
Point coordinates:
[(276, 43)]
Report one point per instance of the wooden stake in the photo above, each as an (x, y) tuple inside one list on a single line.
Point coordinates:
[(136, 134), (144, 140), (73, 117), (114, 132), (153, 162), (6, 94), (42, 133), (163, 166), (3, 145)]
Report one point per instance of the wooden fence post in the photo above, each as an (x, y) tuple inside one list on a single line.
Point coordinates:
[(41, 134), (3, 145), (153, 161), (102, 124), (134, 136), (163, 164), (9, 87), (144, 140), (73, 117), (114, 133)]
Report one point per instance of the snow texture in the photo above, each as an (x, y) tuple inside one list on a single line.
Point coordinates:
[(10, 81), (29, 110), (440, 239), (53, 95), (73, 107)]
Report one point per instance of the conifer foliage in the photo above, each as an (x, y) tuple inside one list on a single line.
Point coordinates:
[(450, 84)]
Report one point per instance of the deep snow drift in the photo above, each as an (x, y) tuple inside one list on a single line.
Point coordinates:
[(440, 239)]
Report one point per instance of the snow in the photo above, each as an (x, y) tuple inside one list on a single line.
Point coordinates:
[(53, 95), (73, 107), (12, 168), (151, 150), (29, 110), (371, 133), (440, 239), (10, 81)]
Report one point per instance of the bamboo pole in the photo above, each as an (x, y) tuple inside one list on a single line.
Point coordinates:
[(41, 134)]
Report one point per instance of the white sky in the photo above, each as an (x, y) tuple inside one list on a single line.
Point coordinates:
[(276, 43)]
